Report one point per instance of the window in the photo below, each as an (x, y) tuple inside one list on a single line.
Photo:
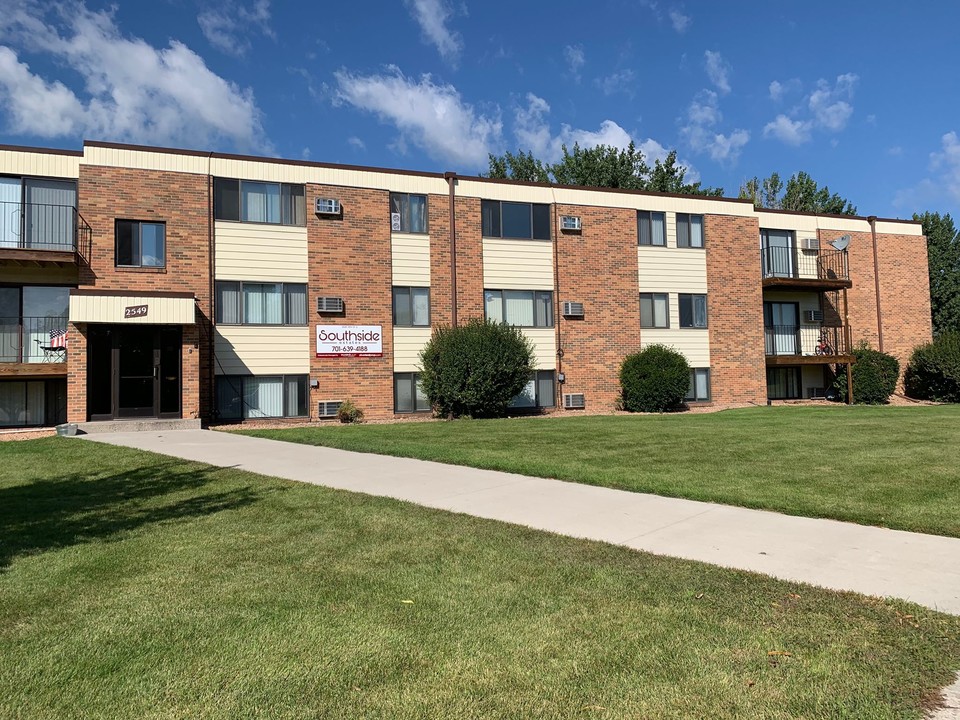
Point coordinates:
[(523, 308), (257, 303), (689, 230), (699, 390), (140, 244), (516, 221), (260, 202), (33, 402), (247, 396), (408, 396), (651, 228), (408, 213), (411, 306), (654, 310), (539, 392), (783, 383), (693, 311)]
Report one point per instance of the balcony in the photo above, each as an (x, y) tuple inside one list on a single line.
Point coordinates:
[(787, 267), (33, 346), (806, 345), (39, 234)]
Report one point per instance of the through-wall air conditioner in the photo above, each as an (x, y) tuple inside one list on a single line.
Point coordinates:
[(329, 305), (569, 222), (816, 393), (813, 316), (574, 401), (328, 206), (809, 244), (573, 309), (328, 408)]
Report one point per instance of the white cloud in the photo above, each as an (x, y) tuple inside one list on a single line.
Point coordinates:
[(942, 187), (700, 133), (130, 90), (357, 143), (680, 21), (718, 70), (620, 81), (947, 164), (229, 26), (895, 151), (776, 91), (575, 58), (432, 17), (433, 117), (792, 132)]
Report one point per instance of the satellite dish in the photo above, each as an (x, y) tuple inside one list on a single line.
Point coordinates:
[(841, 242)]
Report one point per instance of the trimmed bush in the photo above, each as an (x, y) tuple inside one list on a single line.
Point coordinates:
[(349, 413), (475, 369), (874, 376), (655, 379), (934, 370)]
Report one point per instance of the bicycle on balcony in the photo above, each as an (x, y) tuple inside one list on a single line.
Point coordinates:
[(823, 345)]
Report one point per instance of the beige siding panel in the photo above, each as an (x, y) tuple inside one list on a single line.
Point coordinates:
[(694, 344), (896, 228), (39, 164), (110, 309), (145, 160), (672, 270), (259, 350), (411, 259), (517, 264), (544, 347), (250, 251), (407, 344), (807, 225)]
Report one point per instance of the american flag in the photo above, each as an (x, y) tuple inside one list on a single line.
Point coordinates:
[(58, 338)]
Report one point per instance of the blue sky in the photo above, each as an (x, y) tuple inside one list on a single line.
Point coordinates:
[(861, 95)]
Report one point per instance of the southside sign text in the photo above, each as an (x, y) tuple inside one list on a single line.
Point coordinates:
[(349, 341)]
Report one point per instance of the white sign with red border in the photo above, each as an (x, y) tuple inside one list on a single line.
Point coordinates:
[(349, 341)]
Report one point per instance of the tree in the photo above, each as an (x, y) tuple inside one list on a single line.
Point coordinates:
[(943, 259), (600, 166), (475, 369), (800, 193)]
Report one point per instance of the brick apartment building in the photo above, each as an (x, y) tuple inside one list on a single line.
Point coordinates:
[(146, 282)]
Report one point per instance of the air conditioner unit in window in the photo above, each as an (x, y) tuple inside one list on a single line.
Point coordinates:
[(574, 401), (813, 316), (573, 309), (328, 206), (329, 305), (809, 244), (395, 222), (569, 222), (328, 408)]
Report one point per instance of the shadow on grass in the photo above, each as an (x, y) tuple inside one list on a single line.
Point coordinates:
[(86, 507)]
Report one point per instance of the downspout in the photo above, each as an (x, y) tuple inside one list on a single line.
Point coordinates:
[(451, 178), (211, 338), (876, 280), (555, 230)]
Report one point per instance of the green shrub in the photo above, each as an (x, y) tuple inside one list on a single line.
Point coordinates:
[(874, 376), (475, 369), (349, 413), (654, 380), (934, 370)]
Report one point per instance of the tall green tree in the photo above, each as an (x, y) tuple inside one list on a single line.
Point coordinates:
[(943, 258), (600, 166), (801, 192)]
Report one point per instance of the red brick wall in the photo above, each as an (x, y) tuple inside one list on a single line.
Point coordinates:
[(180, 200), (735, 304), (350, 257), (438, 207), (598, 267), (469, 260)]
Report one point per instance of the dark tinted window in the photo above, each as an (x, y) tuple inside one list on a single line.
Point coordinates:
[(490, 216), (541, 222), (516, 220), (226, 199), (127, 241)]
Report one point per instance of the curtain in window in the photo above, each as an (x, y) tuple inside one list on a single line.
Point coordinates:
[(11, 212), (49, 213), (544, 309), (263, 397), (401, 307), (493, 302), (703, 384), (228, 303), (420, 302), (518, 307), (700, 311), (658, 230), (295, 297), (696, 231), (294, 205), (683, 230), (36, 403), (261, 202), (418, 214), (295, 396), (262, 304), (13, 404)]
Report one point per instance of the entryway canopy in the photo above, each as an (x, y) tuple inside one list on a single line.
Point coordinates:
[(145, 308)]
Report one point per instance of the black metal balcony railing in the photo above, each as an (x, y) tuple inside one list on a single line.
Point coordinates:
[(786, 262), (40, 226), (808, 340), (33, 339)]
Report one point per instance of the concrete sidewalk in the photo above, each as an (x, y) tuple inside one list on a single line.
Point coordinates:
[(842, 556)]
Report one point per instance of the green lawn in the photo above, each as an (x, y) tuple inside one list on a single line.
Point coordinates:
[(133, 585), (893, 466)]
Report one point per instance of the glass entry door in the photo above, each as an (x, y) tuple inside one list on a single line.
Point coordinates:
[(138, 371), (781, 322), (778, 253)]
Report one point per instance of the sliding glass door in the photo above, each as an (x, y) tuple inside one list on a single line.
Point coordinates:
[(781, 322)]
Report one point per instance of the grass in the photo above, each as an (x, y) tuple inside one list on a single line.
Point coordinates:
[(897, 467), (133, 585)]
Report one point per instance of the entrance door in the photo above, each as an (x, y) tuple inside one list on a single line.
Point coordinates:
[(781, 322), (137, 371)]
